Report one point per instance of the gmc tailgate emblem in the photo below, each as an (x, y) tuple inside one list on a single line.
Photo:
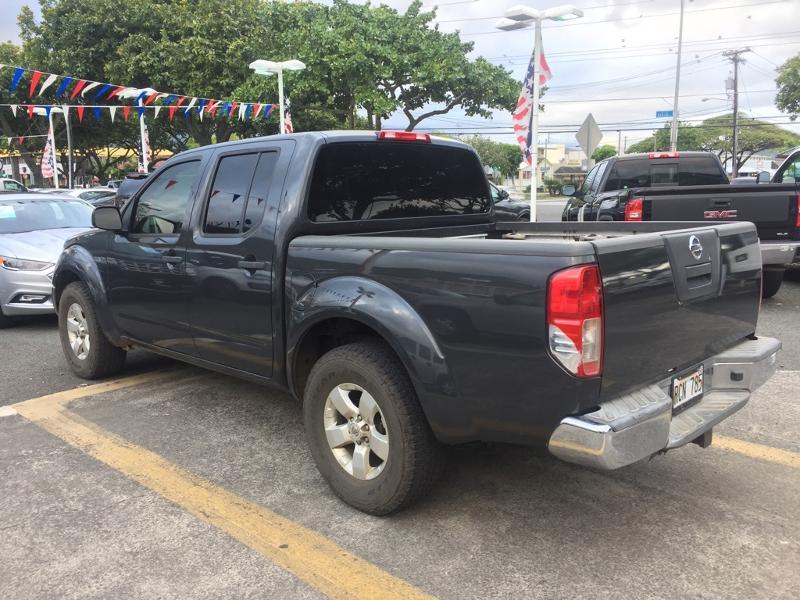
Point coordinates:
[(721, 214)]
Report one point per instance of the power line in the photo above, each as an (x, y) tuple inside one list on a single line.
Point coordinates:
[(580, 22)]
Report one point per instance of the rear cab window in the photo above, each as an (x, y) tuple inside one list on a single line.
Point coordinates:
[(657, 172), (359, 181)]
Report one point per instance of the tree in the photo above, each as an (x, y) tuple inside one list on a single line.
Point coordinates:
[(788, 83), (502, 157), (603, 152), (715, 135)]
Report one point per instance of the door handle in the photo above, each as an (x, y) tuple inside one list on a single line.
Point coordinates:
[(171, 259), (252, 265)]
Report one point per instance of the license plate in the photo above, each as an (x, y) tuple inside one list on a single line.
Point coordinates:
[(687, 387)]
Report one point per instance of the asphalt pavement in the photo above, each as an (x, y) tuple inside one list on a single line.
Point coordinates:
[(174, 482)]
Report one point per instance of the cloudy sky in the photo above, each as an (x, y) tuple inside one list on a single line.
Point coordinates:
[(618, 61)]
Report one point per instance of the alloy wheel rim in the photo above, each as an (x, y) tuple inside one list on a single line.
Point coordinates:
[(356, 431), (78, 331)]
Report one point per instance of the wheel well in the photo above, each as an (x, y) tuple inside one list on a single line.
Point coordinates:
[(321, 338), (60, 282)]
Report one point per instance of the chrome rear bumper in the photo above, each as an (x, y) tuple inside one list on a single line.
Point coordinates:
[(777, 252), (639, 424)]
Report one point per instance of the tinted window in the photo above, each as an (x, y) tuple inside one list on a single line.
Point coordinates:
[(257, 198), (587, 183), (663, 174), (162, 206), (228, 195), (629, 173), (386, 180), (699, 171), (36, 215)]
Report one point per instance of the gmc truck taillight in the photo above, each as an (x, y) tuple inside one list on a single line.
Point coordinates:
[(634, 209), (575, 319)]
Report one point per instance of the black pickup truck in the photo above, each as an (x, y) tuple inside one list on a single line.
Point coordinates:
[(679, 186), (363, 272)]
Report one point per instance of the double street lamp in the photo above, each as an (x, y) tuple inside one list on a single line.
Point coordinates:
[(523, 17), (269, 67)]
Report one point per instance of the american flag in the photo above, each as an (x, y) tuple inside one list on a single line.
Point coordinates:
[(287, 120), (522, 113), (48, 158)]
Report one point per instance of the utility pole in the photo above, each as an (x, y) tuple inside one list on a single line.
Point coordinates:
[(619, 142), (673, 134), (735, 56)]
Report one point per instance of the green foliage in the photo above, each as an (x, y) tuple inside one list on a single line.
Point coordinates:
[(603, 152), (715, 135), (552, 185), (503, 157), (788, 83)]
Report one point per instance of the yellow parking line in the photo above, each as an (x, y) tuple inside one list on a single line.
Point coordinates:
[(786, 458), (308, 555)]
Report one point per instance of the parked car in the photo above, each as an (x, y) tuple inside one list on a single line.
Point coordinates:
[(128, 187), (33, 228), (363, 273), (508, 207), (11, 186), (773, 208), (96, 196), (113, 183), (607, 178)]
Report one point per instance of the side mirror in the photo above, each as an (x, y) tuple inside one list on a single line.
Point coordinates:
[(502, 194), (763, 177), (107, 217), (568, 190)]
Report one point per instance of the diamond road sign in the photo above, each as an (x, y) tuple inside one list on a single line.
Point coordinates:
[(589, 135), (660, 114)]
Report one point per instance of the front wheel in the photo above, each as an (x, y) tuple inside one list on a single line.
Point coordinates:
[(771, 280), (368, 435), (85, 346)]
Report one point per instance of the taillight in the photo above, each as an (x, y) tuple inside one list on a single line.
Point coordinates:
[(663, 155), (575, 319), (797, 216), (634, 209), (404, 136)]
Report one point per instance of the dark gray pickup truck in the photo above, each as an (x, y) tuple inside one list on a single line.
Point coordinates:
[(363, 273)]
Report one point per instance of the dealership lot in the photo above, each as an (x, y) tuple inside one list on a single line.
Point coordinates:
[(176, 482)]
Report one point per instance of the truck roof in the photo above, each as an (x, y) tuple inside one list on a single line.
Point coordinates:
[(679, 154), (337, 136)]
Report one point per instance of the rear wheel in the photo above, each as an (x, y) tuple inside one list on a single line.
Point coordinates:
[(86, 348), (771, 280), (367, 432)]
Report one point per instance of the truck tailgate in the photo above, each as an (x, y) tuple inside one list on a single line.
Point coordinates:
[(674, 298), (771, 207)]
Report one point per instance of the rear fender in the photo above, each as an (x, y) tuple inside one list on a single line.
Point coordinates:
[(387, 313), (76, 263)]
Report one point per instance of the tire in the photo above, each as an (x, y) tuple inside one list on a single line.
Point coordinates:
[(413, 457), (771, 280), (5, 322), (95, 357)]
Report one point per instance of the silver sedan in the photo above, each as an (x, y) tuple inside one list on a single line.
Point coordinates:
[(33, 229)]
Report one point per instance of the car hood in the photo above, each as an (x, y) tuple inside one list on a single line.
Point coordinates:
[(45, 245)]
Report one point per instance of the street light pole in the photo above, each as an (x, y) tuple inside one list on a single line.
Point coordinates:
[(673, 134), (269, 67), (522, 17)]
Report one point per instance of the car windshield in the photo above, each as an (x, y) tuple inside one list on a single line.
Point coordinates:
[(34, 215)]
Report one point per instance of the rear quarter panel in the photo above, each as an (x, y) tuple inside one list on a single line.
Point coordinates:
[(486, 375)]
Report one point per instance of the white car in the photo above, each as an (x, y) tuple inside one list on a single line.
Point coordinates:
[(11, 186), (91, 195)]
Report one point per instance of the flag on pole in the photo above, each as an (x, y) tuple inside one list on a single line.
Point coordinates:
[(522, 113), (48, 158), (288, 127)]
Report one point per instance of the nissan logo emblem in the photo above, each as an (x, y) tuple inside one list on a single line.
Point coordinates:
[(695, 247)]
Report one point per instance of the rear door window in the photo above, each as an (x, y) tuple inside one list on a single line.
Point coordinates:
[(228, 196), (388, 180)]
